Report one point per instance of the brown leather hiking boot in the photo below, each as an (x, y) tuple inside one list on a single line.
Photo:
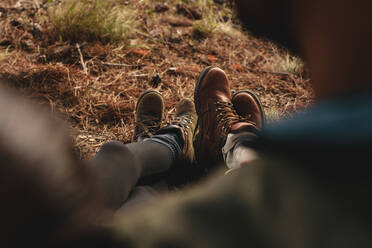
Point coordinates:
[(185, 123), (217, 116), (249, 107), (149, 115)]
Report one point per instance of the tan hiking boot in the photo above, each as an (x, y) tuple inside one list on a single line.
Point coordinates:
[(185, 123), (217, 116), (149, 115), (249, 107)]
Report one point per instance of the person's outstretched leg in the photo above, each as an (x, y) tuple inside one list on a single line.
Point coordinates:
[(181, 129), (236, 151), (122, 165), (223, 116)]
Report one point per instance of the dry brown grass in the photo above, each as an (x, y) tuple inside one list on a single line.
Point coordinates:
[(95, 87)]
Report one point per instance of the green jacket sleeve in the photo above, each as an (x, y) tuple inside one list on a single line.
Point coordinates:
[(265, 204)]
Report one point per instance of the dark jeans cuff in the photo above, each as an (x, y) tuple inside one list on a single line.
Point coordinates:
[(170, 140)]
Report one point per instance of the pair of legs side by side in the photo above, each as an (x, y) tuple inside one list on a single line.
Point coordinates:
[(207, 131)]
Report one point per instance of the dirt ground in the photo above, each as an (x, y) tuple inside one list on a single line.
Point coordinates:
[(94, 86)]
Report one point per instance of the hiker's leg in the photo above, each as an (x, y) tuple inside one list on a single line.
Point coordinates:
[(121, 165), (236, 151)]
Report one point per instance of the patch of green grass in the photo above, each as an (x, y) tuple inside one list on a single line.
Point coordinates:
[(204, 28), (272, 115), (229, 29), (216, 18), (284, 62), (88, 20), (288, 64), (207, 26)]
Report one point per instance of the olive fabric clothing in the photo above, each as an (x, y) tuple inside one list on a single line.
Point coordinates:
[(266, 204), (309, 188)]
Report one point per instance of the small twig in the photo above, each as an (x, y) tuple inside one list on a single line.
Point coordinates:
[(82, 59), (140, 75), (68, 75), (123, 65), (99, 90), (141, 33)]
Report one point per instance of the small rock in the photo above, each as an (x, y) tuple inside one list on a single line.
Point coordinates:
[(160, 8), (183, 9), (155, 81)]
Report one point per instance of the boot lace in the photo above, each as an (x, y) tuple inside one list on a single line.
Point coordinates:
[(184, 122), (227, 116), (148, 126)]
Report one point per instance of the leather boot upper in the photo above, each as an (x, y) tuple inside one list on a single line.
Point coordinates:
[(249, 108), (213, 103)]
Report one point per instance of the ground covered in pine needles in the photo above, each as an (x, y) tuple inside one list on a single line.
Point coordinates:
[(89, 60)]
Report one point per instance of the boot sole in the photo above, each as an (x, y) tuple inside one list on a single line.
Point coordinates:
[(257, 100)]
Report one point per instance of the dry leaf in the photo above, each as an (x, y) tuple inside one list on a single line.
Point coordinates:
[(212, 58), (141, 52), (237, 67)]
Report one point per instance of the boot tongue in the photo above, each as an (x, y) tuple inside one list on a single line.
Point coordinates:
[(243, 126)]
